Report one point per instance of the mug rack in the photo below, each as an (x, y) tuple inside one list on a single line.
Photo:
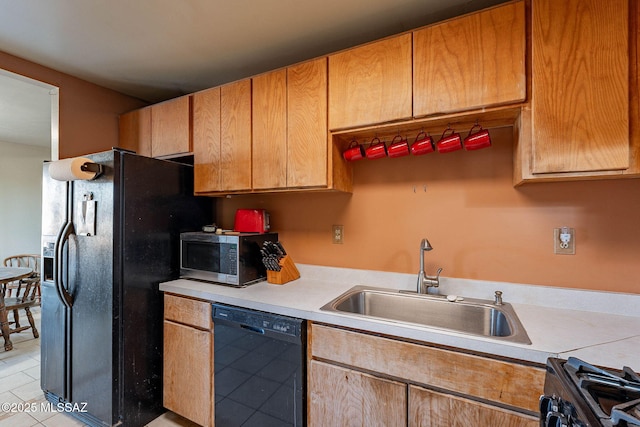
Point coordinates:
[(450, 141), (490, 118)]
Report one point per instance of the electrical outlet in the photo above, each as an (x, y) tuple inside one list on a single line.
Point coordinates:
[(338, 234), (564, 241)]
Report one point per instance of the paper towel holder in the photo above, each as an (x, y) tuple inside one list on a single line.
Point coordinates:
[(95, 168)]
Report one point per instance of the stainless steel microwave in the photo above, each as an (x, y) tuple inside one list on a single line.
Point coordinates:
[(231, 259)]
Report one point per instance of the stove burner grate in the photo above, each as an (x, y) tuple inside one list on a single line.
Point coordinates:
[(610, 396)]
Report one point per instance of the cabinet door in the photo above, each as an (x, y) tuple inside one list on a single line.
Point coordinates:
[(307, 146), (270, 130), (432, 409), (371, 83), (470, 62), (188, 372), (346, 398), (135, 131), (171, 127), (235, 136), (206, 140), (580, 85)]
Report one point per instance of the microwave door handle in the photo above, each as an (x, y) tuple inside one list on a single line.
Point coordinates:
[(66, 231)]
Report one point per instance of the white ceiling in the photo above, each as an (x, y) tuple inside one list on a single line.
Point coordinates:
[(159, 49)]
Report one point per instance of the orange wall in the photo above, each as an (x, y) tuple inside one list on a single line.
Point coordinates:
[(480, 226), (88, 113)]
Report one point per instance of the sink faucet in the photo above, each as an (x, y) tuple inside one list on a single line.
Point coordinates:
[(425, 281)]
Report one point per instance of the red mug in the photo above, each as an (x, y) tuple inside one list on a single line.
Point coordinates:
[(477, 140), (422, 145), (353, 153), (449, 143), (399, 147), (376, 150)]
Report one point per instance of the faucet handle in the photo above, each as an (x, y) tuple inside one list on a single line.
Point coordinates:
[(434, 280)]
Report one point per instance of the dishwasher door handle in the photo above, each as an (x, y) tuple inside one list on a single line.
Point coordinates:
[(253, 329)]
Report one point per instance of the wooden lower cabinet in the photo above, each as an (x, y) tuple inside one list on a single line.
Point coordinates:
[(360, 379), (343, 397), (429, 408), (188, 359)]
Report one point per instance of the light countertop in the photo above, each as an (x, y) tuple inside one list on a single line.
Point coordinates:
[(601, 328)]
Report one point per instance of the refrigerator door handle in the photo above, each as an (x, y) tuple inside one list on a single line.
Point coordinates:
[(66, 231)]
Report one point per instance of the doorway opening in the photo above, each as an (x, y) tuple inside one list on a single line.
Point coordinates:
[(29, 116)]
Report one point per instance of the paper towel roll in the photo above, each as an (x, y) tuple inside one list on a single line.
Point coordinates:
[(69, 169)]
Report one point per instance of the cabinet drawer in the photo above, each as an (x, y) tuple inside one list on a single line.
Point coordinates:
[(430, 408), (188, 311), (499, 381)]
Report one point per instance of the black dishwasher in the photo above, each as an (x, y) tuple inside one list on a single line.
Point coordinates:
[(259, 368)]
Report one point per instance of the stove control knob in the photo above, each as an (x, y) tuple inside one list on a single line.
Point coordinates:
[(556, 419), (549, 404)]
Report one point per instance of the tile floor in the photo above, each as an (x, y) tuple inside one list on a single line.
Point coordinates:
[(20, 385)]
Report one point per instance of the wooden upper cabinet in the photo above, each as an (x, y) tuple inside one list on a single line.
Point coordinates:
[(171, 127), (222, 138), (470, 62), (235, 136), (580, 86), (206, 140), (371, 84), (135, 131), (290, 127), (307, 146), (270, 130)]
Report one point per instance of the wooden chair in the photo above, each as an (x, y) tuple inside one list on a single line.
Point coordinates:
[(27, 294), (25, 298), (25, 260)]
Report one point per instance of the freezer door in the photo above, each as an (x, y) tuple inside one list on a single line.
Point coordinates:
[(54, 204), (53, 342), (53, 336)]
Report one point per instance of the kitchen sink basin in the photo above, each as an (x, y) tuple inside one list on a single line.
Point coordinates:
[(468, 316)]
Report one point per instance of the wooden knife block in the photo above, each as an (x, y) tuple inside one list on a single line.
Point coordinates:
[(288, 272)]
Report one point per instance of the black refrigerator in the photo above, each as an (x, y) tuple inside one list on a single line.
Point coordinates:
[(107, 243)]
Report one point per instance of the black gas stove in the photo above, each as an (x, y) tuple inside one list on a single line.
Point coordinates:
[(577, 394)]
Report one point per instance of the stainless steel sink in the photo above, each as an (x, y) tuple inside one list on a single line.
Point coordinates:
[(469, 316)]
